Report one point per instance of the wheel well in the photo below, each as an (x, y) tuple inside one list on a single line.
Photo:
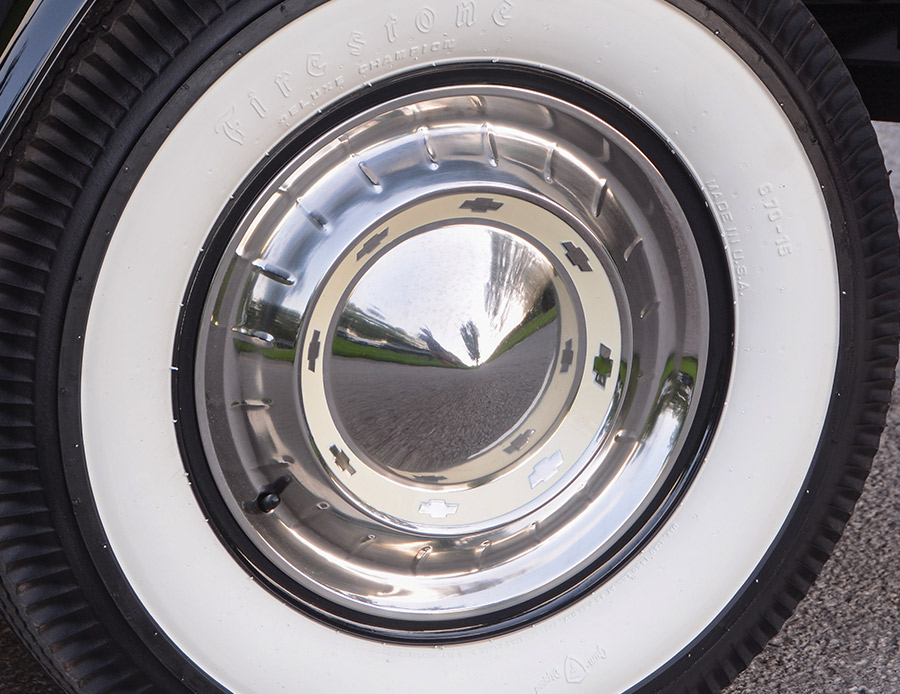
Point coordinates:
[(867, 35)]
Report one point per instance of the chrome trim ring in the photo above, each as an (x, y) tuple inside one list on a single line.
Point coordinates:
[(355, 278)]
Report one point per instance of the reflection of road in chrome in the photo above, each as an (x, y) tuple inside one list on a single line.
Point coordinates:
[(394, 408), (443, 345)]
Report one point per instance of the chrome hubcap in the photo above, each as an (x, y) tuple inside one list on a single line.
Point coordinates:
[(448, 364), (454, 337), (448, 340)]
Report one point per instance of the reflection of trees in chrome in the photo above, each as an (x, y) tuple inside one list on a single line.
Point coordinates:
[(363, 333), (368, 324), (516, 280), (519, 299), (438, 352), (469, 334), (256, 315), (674, 398)]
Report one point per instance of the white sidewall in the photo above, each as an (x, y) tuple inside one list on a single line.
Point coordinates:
[(737, 141)]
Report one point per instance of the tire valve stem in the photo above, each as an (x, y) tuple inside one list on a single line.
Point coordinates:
[(268, 502), (270, 496)]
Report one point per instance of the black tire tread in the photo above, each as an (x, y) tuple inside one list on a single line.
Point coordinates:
[(93, 90)]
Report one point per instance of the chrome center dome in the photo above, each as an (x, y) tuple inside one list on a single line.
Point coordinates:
[(444, 345)]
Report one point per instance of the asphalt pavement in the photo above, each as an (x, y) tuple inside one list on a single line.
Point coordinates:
[(844, 637)]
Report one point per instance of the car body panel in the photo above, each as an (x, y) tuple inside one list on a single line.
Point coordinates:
[(34, 44)]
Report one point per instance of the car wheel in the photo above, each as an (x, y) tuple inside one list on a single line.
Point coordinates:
[(379, 345)]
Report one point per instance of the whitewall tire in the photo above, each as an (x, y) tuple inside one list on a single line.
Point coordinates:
[(748, 133)]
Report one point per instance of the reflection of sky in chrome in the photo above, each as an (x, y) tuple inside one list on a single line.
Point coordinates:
[(461, 288)]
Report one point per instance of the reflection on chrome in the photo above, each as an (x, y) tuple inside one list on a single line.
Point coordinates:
[(448, 338), (458, 296)]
